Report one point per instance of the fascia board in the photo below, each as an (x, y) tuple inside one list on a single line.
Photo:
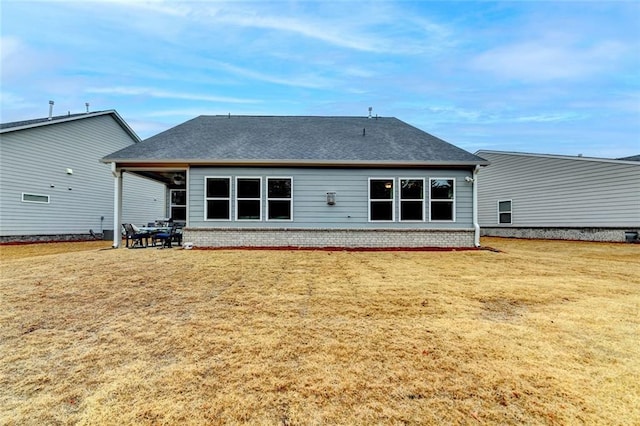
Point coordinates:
[(295, 163)]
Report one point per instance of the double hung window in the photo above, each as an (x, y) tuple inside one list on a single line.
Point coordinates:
[(381, 199), (442, 197), (248, 198), (504, 211), (218, 198), (279, 197), (412, 199)]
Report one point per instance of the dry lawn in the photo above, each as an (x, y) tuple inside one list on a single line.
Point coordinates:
[(540, 333)]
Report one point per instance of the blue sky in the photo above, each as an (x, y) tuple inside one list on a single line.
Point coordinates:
[(530, 76)]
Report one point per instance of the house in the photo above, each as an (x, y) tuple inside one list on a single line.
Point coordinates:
[(300, 181), (53, 185), (559, 197)]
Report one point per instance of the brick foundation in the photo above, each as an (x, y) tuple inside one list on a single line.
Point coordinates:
[(324, 238), (576, 234), (18, 239)]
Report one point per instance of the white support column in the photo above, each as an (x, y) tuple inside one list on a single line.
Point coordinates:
[(476, 225), (117, 205)]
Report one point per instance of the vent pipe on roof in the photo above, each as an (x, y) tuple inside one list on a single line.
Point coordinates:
[(87, 105), (50, 110)]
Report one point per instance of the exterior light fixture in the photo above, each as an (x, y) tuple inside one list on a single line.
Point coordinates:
[(178, 179), (331, 198), (69, 171)]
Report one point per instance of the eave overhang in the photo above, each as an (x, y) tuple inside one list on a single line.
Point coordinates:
[(138, 163)]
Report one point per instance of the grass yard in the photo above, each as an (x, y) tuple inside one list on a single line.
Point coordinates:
[(540, 333)]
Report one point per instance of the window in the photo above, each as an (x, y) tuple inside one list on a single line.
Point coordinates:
[(248, 198), (279, 199), (35, 198), (412, 199), (504, 211), (178, 205), (381, 205), (442, 206), (218, 198)]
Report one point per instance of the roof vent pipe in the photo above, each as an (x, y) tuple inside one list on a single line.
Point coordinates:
[(50, 110), (87, 105)]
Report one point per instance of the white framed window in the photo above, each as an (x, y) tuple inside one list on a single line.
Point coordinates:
[(411, 199), (217, 203), (35, 198), (178, 204), (504, 211), (381, 200), (279, 198), (442, 199), (249, 198)]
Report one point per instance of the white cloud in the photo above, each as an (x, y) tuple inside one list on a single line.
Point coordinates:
[(156, 93), (543, 61), (307, 80)]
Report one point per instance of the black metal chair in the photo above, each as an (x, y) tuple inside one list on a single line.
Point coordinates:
[(136, 238), (165, 237)]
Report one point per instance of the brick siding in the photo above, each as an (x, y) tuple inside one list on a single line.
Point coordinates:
[(322, 238), (576, 234)]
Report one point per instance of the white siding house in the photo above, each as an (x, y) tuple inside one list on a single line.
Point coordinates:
[(559, 197), (299, 181), (53, 185)]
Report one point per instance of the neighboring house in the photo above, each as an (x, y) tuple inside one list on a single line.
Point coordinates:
[(559, 197), (53, 185), (269, 181)]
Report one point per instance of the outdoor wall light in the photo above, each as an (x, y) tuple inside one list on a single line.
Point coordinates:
[(69, 171), (178, 179), (331, 198)]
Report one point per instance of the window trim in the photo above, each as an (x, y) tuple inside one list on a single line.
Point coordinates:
[(422, 200), (35, 195), (510, 201), (217, 198), (437, 200), (392, 199), (236, 199), (290, 199)]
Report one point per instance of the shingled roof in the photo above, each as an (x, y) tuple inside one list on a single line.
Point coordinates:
[(295, 140)]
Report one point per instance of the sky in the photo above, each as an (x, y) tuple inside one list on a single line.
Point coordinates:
[(527, 76)]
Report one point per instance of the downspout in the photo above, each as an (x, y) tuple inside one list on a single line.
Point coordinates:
[(117, 205), (476, 225)]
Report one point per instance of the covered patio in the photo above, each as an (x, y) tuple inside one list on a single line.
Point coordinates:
[(174, 179)]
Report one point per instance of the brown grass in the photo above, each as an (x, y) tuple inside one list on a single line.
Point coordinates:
[(541, 333)]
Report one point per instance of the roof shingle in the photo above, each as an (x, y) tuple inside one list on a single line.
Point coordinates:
[(289, 139)]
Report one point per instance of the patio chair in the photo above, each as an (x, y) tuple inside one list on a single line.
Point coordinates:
[(165, 237), (135, 236)]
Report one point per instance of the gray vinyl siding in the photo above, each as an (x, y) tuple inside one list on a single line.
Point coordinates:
[(559, 192), (35, 160), (310, 186)]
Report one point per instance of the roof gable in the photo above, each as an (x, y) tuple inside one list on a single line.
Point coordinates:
[(295, 140), (39, 122), (489, 153)]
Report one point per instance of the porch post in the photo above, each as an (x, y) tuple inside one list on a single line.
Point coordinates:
[(117, 205), (476, 225)]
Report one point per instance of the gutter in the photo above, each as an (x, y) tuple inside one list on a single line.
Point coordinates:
[(288, 163)]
